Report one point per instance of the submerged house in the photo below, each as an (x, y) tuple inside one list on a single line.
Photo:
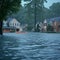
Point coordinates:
[(11, 25), (55, 23)]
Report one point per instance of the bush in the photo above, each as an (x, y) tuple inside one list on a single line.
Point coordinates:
[(50, 28)]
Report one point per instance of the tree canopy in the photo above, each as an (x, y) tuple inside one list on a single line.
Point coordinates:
[(31, 9), (55, 9), (8, 7)]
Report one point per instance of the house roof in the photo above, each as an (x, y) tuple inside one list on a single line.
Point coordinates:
[(9, 19), (54, 19)]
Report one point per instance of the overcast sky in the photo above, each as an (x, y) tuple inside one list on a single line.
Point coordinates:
[(50, 2)]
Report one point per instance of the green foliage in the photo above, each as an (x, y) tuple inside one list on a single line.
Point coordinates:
[(55, 9), (8, 7), (29, 28), (34, 12), (26, 13), (50, 28), (30, 10)]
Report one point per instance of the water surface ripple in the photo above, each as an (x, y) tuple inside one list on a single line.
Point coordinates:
[(30, 46)]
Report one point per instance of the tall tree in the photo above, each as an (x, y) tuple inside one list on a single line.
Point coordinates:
[(35, 10), (55, 9), (7, 7)]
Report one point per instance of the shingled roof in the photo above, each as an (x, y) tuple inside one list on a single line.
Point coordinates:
[(9, 19), (54, 19)]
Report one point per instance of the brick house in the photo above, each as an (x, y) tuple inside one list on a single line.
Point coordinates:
[(55, 23)]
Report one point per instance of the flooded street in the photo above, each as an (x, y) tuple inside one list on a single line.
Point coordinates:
[(30, 46)]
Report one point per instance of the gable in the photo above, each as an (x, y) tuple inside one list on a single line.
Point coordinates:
[(12, 21)]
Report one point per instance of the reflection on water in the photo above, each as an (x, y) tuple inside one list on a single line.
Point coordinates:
[(30, 46)]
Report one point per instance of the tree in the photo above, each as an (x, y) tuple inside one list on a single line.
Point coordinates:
[(55, 10), (7, 7), (35, 11)]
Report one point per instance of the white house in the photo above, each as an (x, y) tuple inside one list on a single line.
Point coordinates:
[(12, 23), (4, 23)]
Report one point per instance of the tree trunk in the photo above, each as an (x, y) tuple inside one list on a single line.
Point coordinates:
[(1, 25), (35, 17)]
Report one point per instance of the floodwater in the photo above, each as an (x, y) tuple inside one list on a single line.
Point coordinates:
[(30, 46)]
